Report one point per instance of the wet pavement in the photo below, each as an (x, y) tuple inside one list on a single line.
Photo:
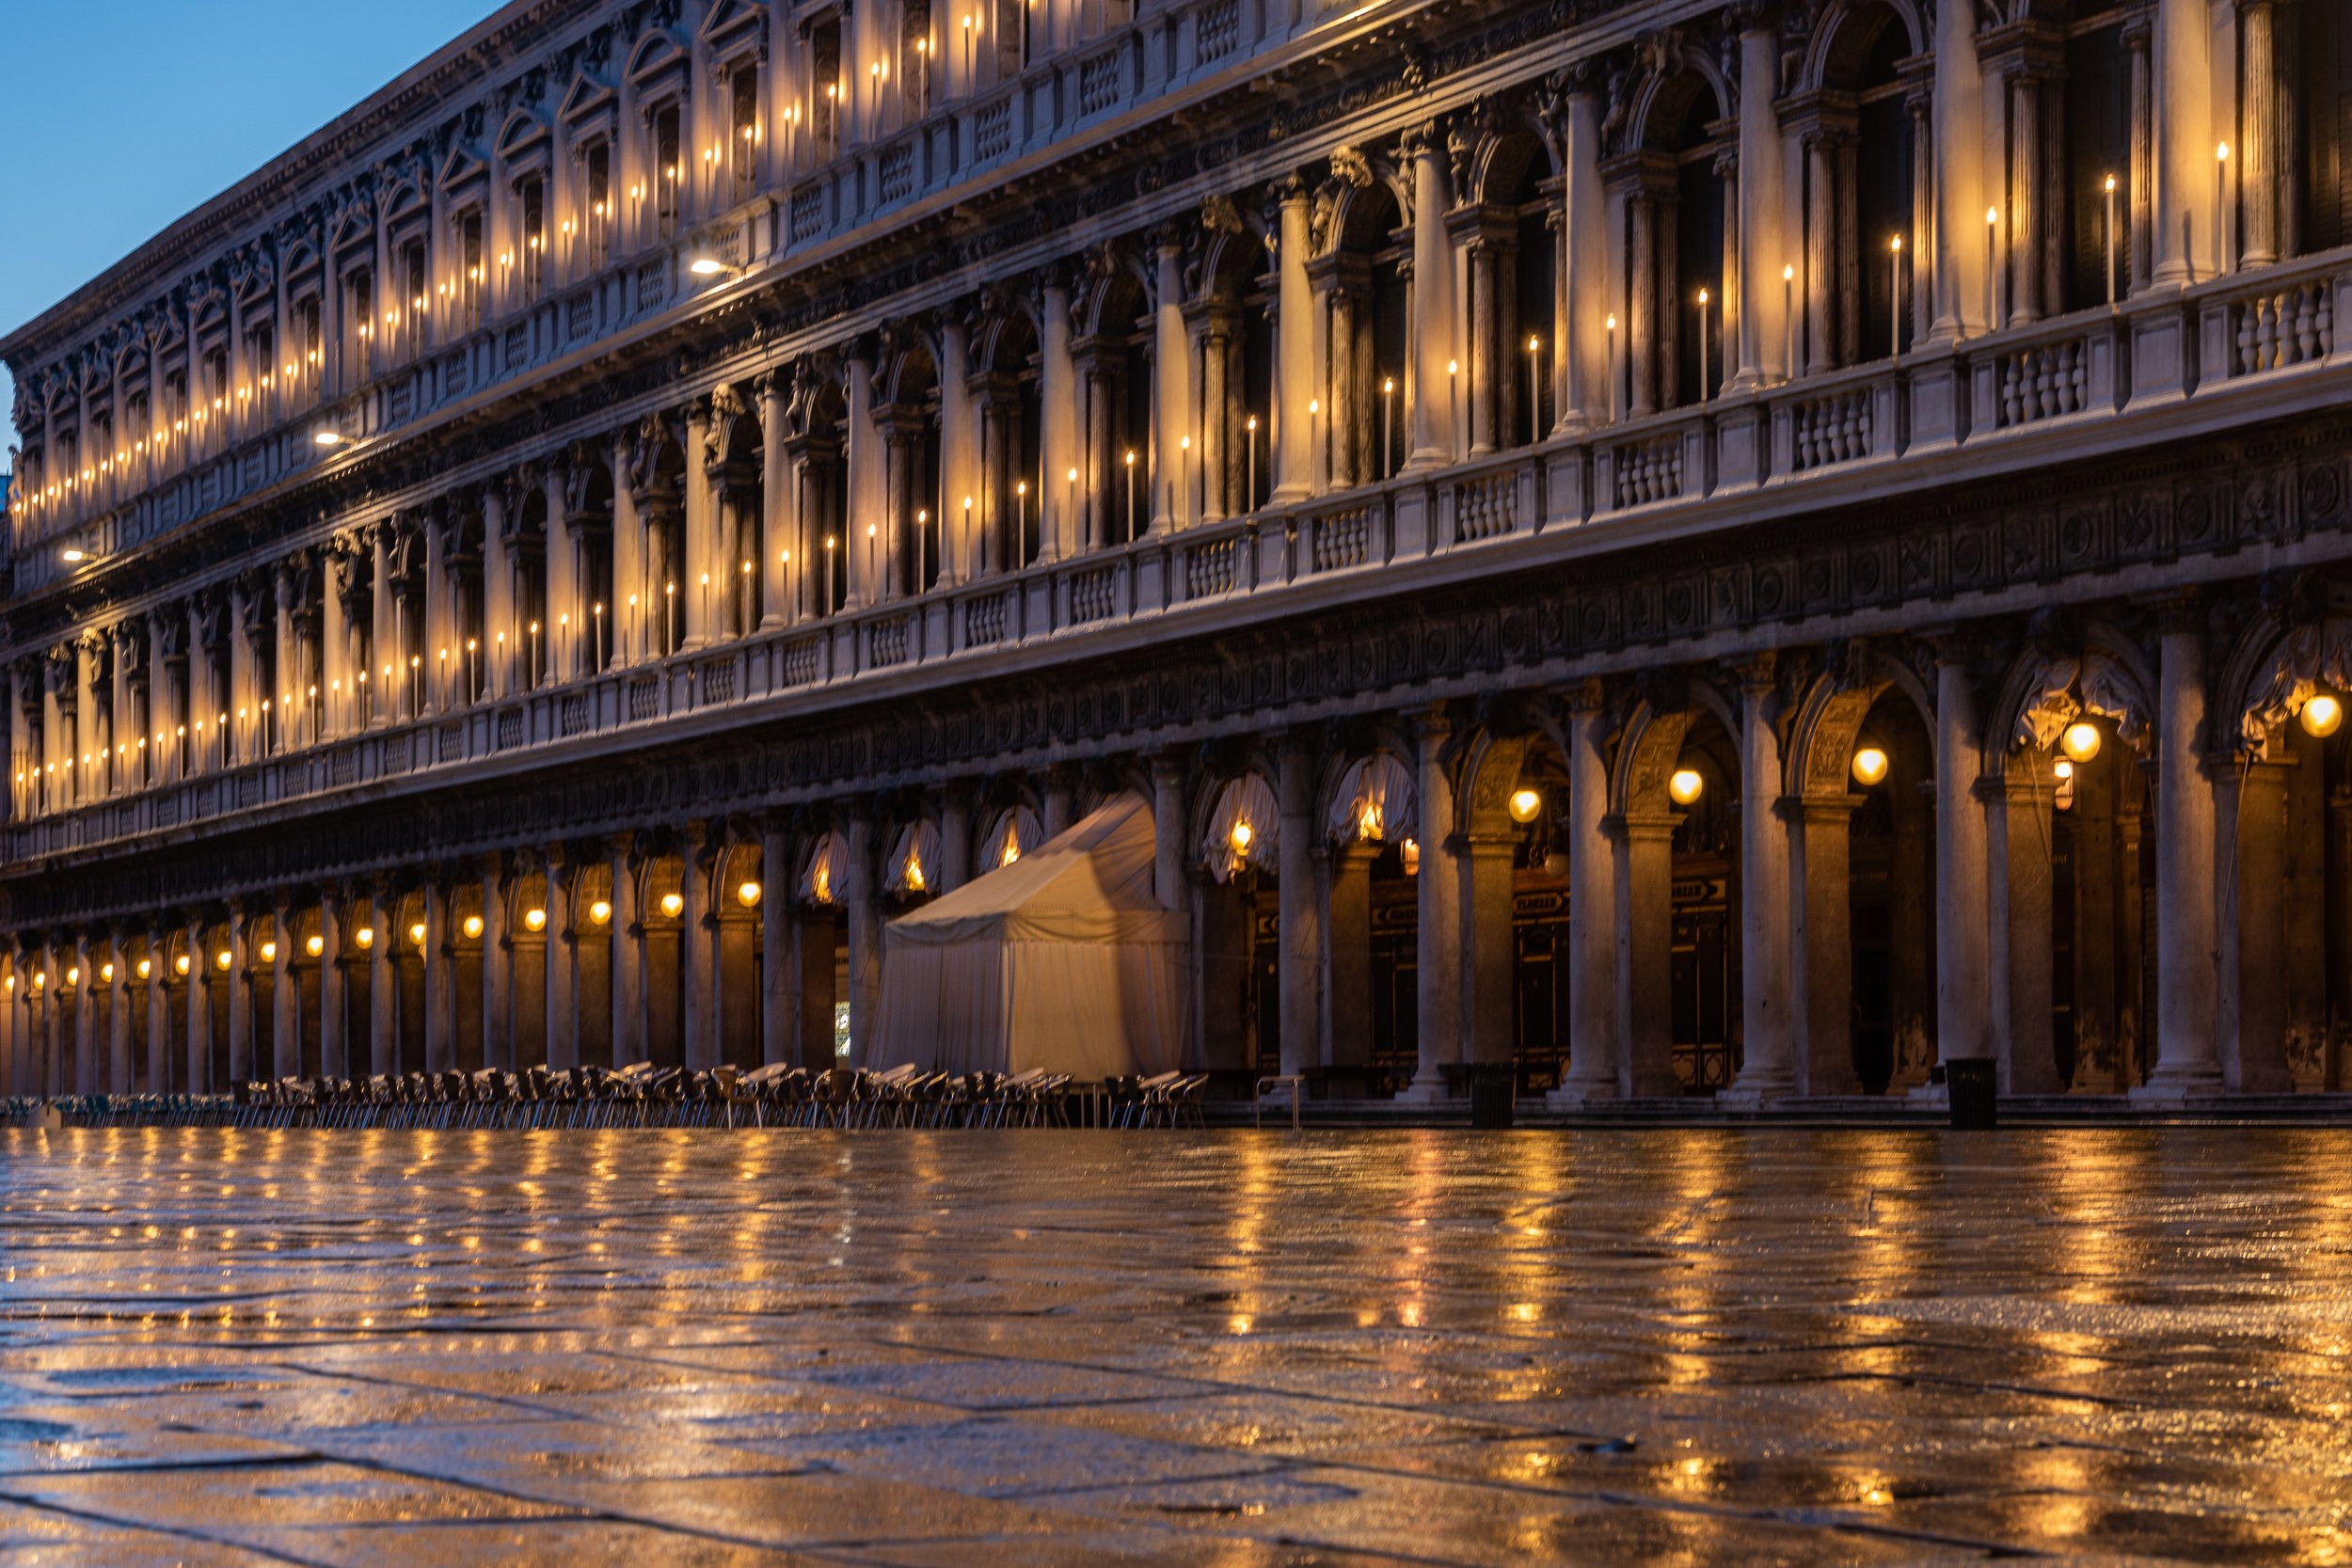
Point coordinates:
[(1721, 1345)]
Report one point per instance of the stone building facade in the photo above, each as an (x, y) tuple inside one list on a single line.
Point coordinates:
[(1694, 547)]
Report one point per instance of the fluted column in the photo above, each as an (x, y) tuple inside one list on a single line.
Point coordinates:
[(1061, 531), (1438, 1004), (704, 559), (2187, 208), (1171, 503), (1581, 366), (1961, 178), (2260, 124), (781, 552), (961, 492), (497, 599), (2187, 1063), (1294, 349), (1433, 326), (868, 507), (1762, 331), (629, 643)]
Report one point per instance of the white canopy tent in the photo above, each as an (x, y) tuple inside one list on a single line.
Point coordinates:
[(1062, 960)]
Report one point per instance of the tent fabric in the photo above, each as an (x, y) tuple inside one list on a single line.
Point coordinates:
[(1375, 793), (914, 859), (822, 880), (1016, 830), (1062, 960), (1249, 800)]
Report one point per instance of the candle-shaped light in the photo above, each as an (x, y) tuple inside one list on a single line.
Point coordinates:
[(1609, 359), (1895, 296), (1388, 425), (1535, 389), (2109, 234), (2221, 201), (1703, 366), (1992, 269), (1249, 497), (1788, 314)]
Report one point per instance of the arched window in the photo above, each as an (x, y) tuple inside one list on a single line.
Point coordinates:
[(2314, 47), (1690, 318), (1364, 423), (1883, 154)]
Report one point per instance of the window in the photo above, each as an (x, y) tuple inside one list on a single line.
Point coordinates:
[(469, 268), (308, 334), (532, 196), (2099, 133), (743, 139), (362, 319), (415, 288), (599, 204), (666, 172)]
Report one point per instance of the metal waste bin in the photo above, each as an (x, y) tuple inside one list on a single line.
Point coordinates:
[(1972, 1084), (1493, 1092)]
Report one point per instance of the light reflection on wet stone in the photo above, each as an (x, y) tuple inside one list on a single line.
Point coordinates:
[(1700, 1346)]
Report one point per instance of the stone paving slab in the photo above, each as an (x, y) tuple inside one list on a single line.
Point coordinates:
[(1755, 1345)]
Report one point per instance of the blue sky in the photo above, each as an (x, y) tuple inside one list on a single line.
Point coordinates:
[(121, 117)]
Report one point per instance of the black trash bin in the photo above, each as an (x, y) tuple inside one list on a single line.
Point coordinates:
[(1493, 1092), (1973, 1084)]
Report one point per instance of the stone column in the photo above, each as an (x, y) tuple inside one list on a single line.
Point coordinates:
[(1348, 963), (703, 559), (1170, 504), (498, 969), (498, 600), (1964, 969), (157, 984), (1295, 351), (1596, 1044), (2188, 204), (2253, 980), (1581, 366), (1484, 860), (865, 910), (628, 643), (1485, 397), (1438, 1004), (1645, 853), (562, 964), (1763, 334), (2186, 1017), (1299, 955), (334, 1033), (2021, 901), (285, 995), (630, 1023), (239, 978), (564, 628), (1167, 831), (698, 946), (960, 477), (440, 957), (2260, 124), (779, 974), (1766, 1068), (199, 1079), (954, 840), (383, 985), (119, 1076), (1822, 1007), (1062, 528), (1963, 180), (1433, 331)]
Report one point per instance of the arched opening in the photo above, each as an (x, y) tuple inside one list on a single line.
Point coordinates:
[(590, 924), (1874, 280), (520, 641), (824, 944), (1691, 316), (1238, 920), (1515, 255), (1236, 354), (660, 913), (658, 478), (816, 426), (1006, 386), (262, 940), (1680, 832), (2317, 39), (526, 926), (1114, 364), (2103, 855), (909, 421), (464, 951), (1366, 304), (582, 633), (1891, 897), (1373, 926), (178, 1071), (408, 937)]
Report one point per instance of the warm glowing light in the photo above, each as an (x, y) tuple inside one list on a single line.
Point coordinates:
[(1686, 785), (748, 895), (269, 952), (180, 963), (473, 925), (221, 960), (1869, 765), (1242, 835), (2080, 740), (2321, 716), (535, 920), (106, 972), (705, 266), (364, 936), (147, 967), (72, 557), (416, 933), (672, 904), (1526, 805), (316, 946)]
